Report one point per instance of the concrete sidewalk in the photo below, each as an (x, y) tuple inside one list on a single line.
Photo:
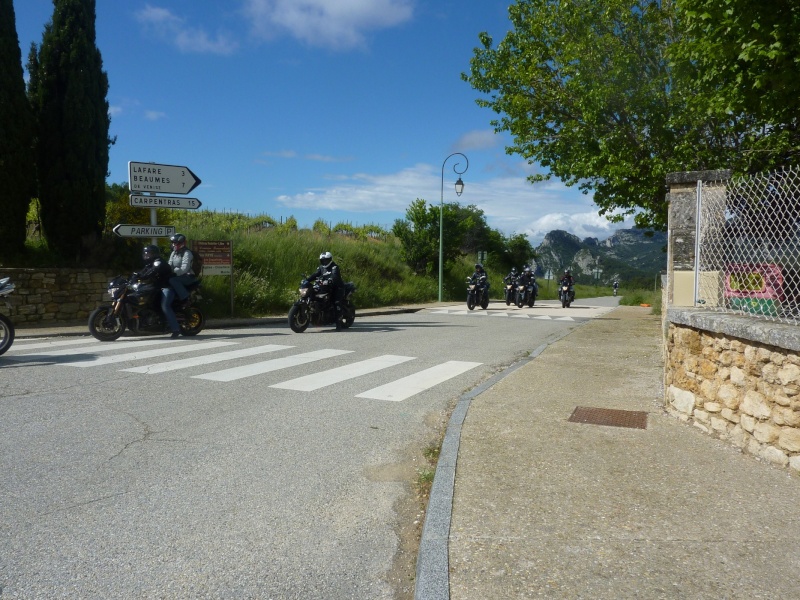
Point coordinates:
[(548, 508)]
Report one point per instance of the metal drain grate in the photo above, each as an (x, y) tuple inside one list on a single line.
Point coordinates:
[(607, 416)]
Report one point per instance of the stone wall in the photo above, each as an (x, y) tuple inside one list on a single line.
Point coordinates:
[(737, 378), (51, 296)]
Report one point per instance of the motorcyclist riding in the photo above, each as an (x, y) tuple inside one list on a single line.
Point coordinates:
[(567, 279), (528, 278), (329, 274), (180, 261), (512, 276), (477, 274), (160, 272)]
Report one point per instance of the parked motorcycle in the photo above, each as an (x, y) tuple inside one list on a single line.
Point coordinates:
[(566, 293), (477, 292), (6, 326), (136, 305), (316, 307)]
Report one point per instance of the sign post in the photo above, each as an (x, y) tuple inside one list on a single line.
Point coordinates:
[(217, 259)]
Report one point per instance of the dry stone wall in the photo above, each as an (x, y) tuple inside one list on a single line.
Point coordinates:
[(51, 296), (736, 378)]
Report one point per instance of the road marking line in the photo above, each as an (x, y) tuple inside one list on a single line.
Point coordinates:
[(418, 382), (94, 349), (20, 345), (184, 347), (207, 359), (309, 383), (270, 365)]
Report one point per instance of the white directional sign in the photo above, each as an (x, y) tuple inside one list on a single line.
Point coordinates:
[(167, 179), (164, 202), (144, 230)]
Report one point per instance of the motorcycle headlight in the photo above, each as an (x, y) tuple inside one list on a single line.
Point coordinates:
[(303, 292)]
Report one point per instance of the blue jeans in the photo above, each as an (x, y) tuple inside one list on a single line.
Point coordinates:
[(167, 296), (179, 283)]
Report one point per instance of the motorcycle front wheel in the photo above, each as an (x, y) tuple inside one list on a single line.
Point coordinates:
[(6, 333), (298, 318), (471, 302), (519, 300), (350, 317), (193, 323), (485, 302), (104, 325), (531, 301)]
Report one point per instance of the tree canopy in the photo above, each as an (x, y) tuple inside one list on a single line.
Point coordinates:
[(17, 174), (68, 90), (611, 95)]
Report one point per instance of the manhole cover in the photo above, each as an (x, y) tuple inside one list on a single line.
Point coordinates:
[(607, 416)]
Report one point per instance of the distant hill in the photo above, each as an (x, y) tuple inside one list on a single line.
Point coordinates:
[(631, 255)]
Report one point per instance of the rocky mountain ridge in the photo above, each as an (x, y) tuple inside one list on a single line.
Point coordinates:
[(629, 255)]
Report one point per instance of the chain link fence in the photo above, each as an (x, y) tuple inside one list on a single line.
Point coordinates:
[(748, 246)]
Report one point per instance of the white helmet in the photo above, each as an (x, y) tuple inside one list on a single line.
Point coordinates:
[(325, 259)]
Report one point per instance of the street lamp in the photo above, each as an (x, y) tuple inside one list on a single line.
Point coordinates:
[(459, 190)]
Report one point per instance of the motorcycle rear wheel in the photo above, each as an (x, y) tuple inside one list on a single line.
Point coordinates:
[(104, 325), (6, 333), (194, 323), (298, 318)]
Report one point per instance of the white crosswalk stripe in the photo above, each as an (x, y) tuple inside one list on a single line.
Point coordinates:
[(23, 344), (270, 365), (144, 354), (418, 382), (83, 354), (310, 383), (206, 359)]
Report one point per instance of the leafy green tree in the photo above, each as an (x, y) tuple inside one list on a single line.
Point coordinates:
[(68, 90), (584, 88), (17, 175), (740, 61), (419, 235)]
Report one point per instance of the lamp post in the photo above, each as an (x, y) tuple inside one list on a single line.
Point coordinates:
[(459, 190)]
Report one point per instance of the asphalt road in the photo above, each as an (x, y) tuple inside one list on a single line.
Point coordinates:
[(243, 463)]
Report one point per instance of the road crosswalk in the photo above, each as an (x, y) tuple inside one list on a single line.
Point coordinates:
[(194, 354)]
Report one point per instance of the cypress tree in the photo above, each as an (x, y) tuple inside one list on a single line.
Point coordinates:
[(17, 174), (68, 91)]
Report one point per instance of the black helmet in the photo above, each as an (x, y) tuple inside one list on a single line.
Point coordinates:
[(151, 252), (325, 258), (513, 269), (177, 238), (478, 267), (566, 272)]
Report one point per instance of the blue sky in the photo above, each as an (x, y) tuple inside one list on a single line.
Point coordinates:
[(342, 110)]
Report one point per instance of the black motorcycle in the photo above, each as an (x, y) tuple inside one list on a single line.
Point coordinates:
[(6, 326), (477, 292), (316, 306), (510, 291), (136, 305), (526, 293), (566, 293)]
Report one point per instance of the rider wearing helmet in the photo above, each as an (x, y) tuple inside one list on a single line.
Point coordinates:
[(567, 279), (160, 272), (512, 276), (180, 261), (479, 272), (328, 272)]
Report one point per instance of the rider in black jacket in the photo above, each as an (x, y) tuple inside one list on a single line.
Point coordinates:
[(160, 272), (328, 272)]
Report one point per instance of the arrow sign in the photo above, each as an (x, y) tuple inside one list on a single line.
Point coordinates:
[(167, 179), (164, 202), (144, 231)]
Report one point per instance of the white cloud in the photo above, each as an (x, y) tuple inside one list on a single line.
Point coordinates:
[(338, 24), (113, 111), (511, 204), (173, 29), (154, 115), (481, 139)]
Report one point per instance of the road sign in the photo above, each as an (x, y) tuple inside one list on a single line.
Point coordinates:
[(167, 179), (144, 231), (164, 202), (217, 256)]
